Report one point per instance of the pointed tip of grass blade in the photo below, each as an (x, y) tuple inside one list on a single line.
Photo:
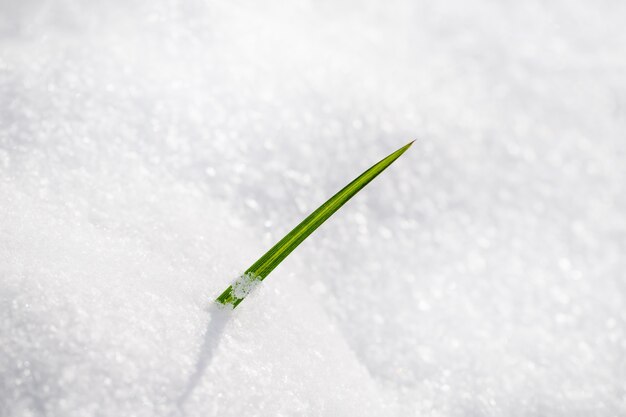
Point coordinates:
[(395, 155), (262, 267), (408, 145)]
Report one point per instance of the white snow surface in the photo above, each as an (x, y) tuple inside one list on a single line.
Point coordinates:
[(151, 150)]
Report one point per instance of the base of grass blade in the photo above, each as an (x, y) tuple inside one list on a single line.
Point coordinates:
[(239, 289)]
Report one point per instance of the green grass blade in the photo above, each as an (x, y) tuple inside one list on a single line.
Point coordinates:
[(236, 292)]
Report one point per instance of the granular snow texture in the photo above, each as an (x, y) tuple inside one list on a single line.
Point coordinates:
[(151, 150)]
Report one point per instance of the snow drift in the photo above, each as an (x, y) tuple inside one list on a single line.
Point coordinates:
[(150, 150)]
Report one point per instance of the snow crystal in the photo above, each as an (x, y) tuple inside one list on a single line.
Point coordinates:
[(151, 149), (244, 284)]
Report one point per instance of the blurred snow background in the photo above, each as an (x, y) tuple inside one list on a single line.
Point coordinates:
[(151, 150)]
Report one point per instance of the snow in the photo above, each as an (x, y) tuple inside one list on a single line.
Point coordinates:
[(244, 285), (150, 151)]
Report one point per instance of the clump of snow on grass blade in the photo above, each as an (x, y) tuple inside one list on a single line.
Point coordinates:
[(244, 284)]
